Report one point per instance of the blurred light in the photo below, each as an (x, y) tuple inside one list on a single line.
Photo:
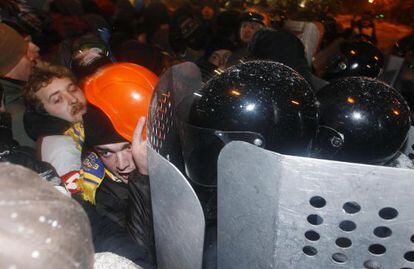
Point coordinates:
[(250, 107), (197, 94), (376, 58), (357, 115), (396, 112), (371, 1), (235, 92), (353, 52), (218, 71), (136, 96), (355, 65), (303, 4), (350, 100), (295, 102)]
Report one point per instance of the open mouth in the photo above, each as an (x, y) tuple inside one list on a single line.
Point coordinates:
[(124, 175)]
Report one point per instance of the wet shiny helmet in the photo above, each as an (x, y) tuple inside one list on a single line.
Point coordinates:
[(360, 120), (264, 103), (355, 58)]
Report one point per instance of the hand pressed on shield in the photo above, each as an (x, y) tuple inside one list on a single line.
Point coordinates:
[(139, 148)]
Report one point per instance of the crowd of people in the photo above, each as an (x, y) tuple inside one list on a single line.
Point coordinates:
[(84, 83)]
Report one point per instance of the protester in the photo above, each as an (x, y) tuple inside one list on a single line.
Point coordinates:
[(18, 57), (250, 23), (54, 108), (115, 170)]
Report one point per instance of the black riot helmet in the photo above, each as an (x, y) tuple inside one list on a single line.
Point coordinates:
[(264, 103), (252, 17), (360, 120), (354, 58)]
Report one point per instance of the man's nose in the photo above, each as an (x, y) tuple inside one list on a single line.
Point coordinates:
[(122, 163), (222, 61), (71, 98)]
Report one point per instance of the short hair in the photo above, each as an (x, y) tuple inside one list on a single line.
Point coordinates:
[(40, 78)]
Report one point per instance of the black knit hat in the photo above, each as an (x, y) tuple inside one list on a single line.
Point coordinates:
[(99, 129), (218, 43)]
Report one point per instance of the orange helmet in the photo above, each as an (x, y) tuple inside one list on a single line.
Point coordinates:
[(261, 11), (123, 92)]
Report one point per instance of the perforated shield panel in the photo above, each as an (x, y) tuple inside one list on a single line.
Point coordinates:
[(279, 211)]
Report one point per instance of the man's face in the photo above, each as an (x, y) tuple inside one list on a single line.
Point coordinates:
[(247, 30), (117, 158), (63, 99), (219, 58)]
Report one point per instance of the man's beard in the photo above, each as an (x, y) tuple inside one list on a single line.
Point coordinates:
[(77, 108)]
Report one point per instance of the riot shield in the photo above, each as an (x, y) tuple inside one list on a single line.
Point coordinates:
[(278, 211), (177, 83), (408, 148), (391, 70), (178, 216)]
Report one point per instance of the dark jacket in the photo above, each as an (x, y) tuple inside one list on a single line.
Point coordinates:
[(129, 207), (108, 236), (140, 221), (11, 151), (112, 200), (280, 46), (38, 125), (15, 106)]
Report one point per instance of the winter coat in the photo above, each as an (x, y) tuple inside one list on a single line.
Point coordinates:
[(55, 145), (139, 220), (39, 125), (280, 46), (11, 151), (108, 236), (15, 106), (128, 208)]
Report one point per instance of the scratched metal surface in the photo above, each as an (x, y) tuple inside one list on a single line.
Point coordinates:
[(178, 217), (408, 148), (265, 212)]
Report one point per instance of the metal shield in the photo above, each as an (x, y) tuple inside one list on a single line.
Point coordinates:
[(177, 83), (408, 148), (277, 211), (392, 69), (178, 217), (179, 223)]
